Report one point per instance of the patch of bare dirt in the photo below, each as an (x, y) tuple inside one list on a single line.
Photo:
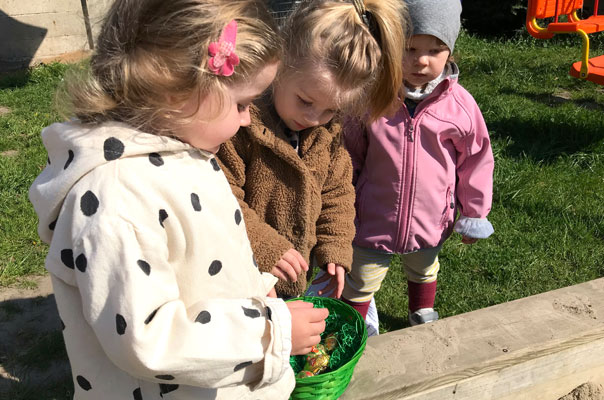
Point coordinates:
[(9, 153), (587, 391), (4, 110)]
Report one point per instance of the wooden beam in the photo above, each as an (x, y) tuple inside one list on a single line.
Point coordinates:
[(539, 347)]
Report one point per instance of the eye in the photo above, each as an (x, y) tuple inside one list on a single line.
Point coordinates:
[(304, 102)]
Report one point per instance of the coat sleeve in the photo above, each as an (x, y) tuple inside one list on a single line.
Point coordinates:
[(474, 168), (335, 225), (130, 298), (356, 142), (268, 245)]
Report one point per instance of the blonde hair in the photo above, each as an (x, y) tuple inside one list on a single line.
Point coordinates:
[(362, 53), (152, 55)]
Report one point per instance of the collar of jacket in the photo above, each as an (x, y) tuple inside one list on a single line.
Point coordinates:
[(266, 126), (441, 90)]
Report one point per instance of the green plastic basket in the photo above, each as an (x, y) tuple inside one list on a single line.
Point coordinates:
[(352, 338)]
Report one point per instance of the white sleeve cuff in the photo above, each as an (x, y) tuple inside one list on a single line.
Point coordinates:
[(475, 228), (276, 359)]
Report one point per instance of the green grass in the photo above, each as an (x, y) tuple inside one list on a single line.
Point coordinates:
[(28, 96), (548, 207)]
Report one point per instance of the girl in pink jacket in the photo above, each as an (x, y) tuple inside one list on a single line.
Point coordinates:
[(416, 169)]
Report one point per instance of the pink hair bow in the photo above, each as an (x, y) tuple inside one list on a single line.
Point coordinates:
[(223, 58)]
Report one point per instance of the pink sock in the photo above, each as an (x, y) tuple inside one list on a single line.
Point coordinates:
[(421, 295), (360, 307)]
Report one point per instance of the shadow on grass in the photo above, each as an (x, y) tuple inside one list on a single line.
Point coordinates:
[(389, 322), (14, 79), (543, 139), (33, 361)]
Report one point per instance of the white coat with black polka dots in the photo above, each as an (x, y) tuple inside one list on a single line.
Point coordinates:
[(154, 277)]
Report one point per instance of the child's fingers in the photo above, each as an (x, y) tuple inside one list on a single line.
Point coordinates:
[(331, 269), (292, 260), (279, 273), (299, 304), (301, 261), (318, 315), (340, 279), (287, 270)]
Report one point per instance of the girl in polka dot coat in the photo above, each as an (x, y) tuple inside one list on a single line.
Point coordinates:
[(155, 281), (289, 169)]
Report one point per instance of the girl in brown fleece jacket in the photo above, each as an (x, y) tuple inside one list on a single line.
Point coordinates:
[(289, 169)]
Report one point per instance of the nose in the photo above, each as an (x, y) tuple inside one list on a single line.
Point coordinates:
[(311, 117), (244, 116), (422, 59)]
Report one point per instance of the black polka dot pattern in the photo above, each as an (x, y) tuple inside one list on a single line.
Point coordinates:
[(83, 382), (81, 262), (215, 267), (250, 312), (203, 317), (166, 388), (52, 225), (269, 314), (155, 159), (163, 214), (165, 377), (144, 265), (89, 203), (120, 324), (137, 395), (113, 149), (67, 258), (195, 202), (242, 365), (237, 217), (215, 164), (151, 316), (69, 159)]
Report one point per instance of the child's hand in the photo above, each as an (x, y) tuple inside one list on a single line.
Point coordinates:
[(307, 325), (335, 276), (468, 240), (290, 266)]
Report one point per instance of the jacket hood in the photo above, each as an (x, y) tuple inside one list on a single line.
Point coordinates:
[(74, 150)]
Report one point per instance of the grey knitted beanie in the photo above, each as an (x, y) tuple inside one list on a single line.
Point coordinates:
[(440, 18)]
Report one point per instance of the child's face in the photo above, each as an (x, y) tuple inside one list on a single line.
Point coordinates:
[(424, 60), (210, 126), (305, 100)]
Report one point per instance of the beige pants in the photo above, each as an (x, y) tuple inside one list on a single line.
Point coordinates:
[(369, 268)]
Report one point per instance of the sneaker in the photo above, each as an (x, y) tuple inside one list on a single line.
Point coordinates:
[(422, 316), (372, 320)]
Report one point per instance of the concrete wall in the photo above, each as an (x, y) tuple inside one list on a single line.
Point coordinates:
[(34, 31)]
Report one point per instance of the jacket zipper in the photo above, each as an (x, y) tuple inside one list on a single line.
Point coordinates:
[(406, 185)]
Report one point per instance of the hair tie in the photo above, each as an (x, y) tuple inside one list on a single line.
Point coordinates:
[(368, 19), (222, 53)]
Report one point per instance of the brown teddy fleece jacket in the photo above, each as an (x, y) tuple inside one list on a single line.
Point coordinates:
[(305, 201)]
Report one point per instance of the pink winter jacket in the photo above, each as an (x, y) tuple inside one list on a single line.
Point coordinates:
[(412, 175)]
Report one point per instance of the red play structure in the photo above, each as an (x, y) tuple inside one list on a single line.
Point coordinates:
[(565, 20)]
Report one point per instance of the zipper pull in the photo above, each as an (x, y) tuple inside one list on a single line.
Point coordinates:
[(452, 204), (411, 133)]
